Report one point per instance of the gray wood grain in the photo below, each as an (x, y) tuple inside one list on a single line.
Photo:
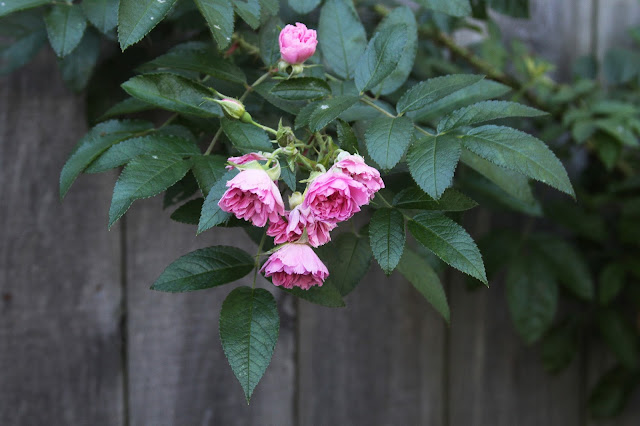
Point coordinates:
[(178, 374), (60, 352)]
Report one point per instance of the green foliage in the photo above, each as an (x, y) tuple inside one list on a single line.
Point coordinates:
[(300, 89), (387, 140), (245, 137), (219, 16), (137, 17), (65, 26), (427, 92), (103, 14), (387, 238), (348, 258), (432, 161), (380, 57)]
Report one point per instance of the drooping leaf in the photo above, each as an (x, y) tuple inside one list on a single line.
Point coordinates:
[(328, 110), (434, 89), (219, 17), (432, 162), (400, 15), (249, 11), (380, 57), (26, 34), (387, 238), (325, 295), (387, 140), (103, 14), (76, 68), (136, 18), (249, 326), (419, 273), (65, 26), (449, 241), (268, 41), (300, 89), (288, 176), (620, 336), (532, 295), (346, 137), (485, 111), (189, 212), (518, 151), (94, 143), (611, 393), (145, 177), (174, 93), (348, 258), (341, 36), (180, 191), (246, 137), (611, 282), (212, 214), (208, 169), (450, 7), (10, 6), (451, 200)]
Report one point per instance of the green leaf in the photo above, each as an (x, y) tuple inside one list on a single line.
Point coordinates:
[(300, 89), (182, 190), (380, 57), (145, 177), (434, 89), (270, 7), (571, 269), (620, 337), (174, 93), (249, 11), (94, 143), (208, 169), (189, 212), (432, 162), (450, 7), (611, 393), (346, 137), (137, 17), (268, 41), (328, 110), (485, 111), (288, 176), (76, 68), (348, 259), (24, 35), (532, 295), (129, 149), (246, 137), (449, 241), (341, 36), (127, 106), (611, 281), (387, 238), (400, 15), (204, 268), (325, 295), (103, 14), (515, 8), (303, 6), (559, 347), (451, 200), (65, 26), (219, 17), (197, 57), (419, 273), (10, 6), (518, 151), (212, 215), (387, 140), (249, 326)]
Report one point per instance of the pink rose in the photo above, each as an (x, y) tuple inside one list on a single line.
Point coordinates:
[(244, 159), (295, 265), (291, 227), (354, 166), (253, 196), (335, 197), (297, 44)]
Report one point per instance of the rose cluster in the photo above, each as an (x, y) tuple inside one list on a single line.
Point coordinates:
[(329, 198)]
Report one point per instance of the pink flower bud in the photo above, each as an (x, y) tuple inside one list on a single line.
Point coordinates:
[(253, 196), (295, 265), (232, 108), (297, 44), (354, 166), (244, 159), (335, 197)]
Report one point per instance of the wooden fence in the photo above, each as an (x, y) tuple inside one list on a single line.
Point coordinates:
[(83, 341)]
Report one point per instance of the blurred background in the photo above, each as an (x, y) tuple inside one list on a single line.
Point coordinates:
[(83, 341)]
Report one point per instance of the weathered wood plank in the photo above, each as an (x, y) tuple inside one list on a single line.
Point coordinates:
[(178, 374), (379, 361), (60, 356)]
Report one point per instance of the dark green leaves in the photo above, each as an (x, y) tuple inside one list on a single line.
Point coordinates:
[(174, 93), (387, 238), (212, 214), (328, 110), (348, 258), (249, 326), (76, 68), (341, 36), (24, 34), (450, 7), (145, 177), (219, 17), (65, 26), (208, 169), (246, 137), (621, 337), (519, 151), (429, 91), (432, 161), (137, 17), (300, 89), (103, 14), (387, 139), (414, 198), (612, 392), (205, 268), (485, 111), (10, 6), (325, 295), (449, 241), (381, 57)]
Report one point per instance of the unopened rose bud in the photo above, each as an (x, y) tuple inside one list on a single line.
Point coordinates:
[(232, 108), (297, 44), (295, 200)]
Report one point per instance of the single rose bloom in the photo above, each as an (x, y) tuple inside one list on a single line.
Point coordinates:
[(253, 196), (335, 197), (295, 265), (297, 44), (291, 227), (354, 166), (244, 159)]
